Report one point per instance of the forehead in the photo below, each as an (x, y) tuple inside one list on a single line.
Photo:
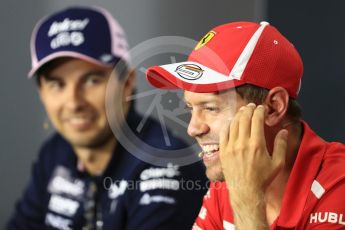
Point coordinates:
[(73, 66), (227, 96)]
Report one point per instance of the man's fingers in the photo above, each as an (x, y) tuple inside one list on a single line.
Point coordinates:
[(279, 149), (257, 129), (224, 136), (245, 122), (233, 136)]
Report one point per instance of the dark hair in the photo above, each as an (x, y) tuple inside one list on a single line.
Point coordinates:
[(121, 68), (45, 69), (257, 95)]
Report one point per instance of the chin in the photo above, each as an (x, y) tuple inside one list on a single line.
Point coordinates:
[(215, 174), (91, 140), (80, 142)]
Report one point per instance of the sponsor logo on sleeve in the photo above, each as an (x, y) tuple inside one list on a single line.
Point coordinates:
[(327, 217), (117, 190), (63, 183), (169, 172), (58, 222), (189, 71), (146, 199), (161, 183), (63, 205)]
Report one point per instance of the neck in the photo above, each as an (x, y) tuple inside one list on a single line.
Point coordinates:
[(275, 191), (95, 160)]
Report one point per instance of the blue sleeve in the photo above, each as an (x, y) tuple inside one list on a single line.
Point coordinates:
[(30, 209), (166, 202)]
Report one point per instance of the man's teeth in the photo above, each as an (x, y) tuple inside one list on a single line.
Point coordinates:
[(78, 121), (208, 149)]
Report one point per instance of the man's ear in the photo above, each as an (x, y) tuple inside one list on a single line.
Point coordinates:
[(130, 83), (39, 90), (276, 104)]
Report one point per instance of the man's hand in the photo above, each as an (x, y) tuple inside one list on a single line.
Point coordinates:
[(247, 165)]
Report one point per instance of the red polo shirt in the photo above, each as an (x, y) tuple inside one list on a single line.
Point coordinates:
[(314, 197)]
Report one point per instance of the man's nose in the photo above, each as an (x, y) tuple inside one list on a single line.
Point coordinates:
[(197, 126), (75, 98)]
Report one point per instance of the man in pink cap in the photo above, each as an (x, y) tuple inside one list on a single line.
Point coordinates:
[(85, 176), (268, 168)]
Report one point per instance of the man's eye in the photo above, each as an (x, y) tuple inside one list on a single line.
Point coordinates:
[(211, 109), (55, 84), (188, 108), (90, 81)]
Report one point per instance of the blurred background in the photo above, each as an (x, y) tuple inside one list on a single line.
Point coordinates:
[(316, 29)]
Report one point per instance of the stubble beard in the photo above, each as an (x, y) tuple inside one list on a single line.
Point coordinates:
[(214, 172)]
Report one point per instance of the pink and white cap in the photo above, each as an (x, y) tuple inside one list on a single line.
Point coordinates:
[(88, 33)]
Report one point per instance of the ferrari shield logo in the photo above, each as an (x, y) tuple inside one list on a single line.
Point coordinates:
[(204, 40)]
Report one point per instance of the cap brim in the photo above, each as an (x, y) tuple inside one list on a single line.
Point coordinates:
[(190, 76), (68, 54)]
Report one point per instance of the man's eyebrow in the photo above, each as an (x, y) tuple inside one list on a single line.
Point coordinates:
[(99, 73), (49, 77), (201, 102)]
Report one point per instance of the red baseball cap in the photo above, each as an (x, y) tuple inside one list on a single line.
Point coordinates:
[(231, 55)]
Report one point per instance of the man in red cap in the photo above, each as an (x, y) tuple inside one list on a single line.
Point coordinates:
[(268, 168)]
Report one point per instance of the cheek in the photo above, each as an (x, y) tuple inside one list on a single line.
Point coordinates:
[(96, 99), (217, 126), (52, 106), (219, 122)]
